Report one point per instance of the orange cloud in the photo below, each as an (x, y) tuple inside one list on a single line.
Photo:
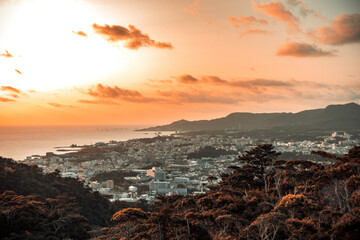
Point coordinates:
[(133, 37), (112, 92), (344, 29), (107, 92), (2, 99), (192, 8), (80, 33), (10, 89), (18, 71), (216, 90), (6, 54), (186, 79), (11, 92), (302, 50), (278, 12), (247, 21)]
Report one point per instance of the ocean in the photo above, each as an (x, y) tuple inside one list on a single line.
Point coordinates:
[(20, 142)]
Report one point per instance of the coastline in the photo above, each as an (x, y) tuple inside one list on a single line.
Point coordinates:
[(19, 142)]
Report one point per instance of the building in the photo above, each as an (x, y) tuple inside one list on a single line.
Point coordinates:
[(156, 173), (110, 184), (181, 180), (158, 187)]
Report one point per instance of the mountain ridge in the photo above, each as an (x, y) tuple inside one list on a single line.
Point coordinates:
[(339, 116)]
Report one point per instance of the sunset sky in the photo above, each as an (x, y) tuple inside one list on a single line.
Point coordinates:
[(151, 62)]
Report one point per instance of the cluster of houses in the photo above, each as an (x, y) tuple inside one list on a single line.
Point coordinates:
[(175, 173)]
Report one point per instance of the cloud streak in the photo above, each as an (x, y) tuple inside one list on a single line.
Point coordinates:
[(6, 54), (11, 93), (80, 33), (107, 92), (10, 89), (247, 21), (300, 50), (58, 105), (132, 37), (182, 97), (100, 101), (215, 80)]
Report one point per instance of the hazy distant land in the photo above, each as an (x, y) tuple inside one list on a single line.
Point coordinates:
[(333, 117)]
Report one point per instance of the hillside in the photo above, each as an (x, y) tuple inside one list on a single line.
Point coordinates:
[(34, 205), (334, 117)]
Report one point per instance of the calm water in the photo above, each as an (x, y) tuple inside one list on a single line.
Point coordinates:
[(19, 142)]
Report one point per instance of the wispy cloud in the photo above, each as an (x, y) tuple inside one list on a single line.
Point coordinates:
[(254, 31), (11, 93), (242, 22), (278, 11), (58, 105), (252, 83), (193, 9), (80, 33), (10, 89), (132, 37), (305, 10), (343, 30), (295, 49), (6, 54), (98, 101), (247, 21), (183, 97)]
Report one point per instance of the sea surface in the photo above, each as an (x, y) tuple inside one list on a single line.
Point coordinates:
[(20, 142)]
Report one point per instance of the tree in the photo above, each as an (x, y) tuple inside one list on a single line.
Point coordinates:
[(267, 226)]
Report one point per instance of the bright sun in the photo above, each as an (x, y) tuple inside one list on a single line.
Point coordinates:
[(47, 53)]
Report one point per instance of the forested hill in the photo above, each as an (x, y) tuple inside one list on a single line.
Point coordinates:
[(34, 205), (265, 198), (334, 117)]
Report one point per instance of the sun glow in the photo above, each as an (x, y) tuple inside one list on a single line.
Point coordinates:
[(47, 52)]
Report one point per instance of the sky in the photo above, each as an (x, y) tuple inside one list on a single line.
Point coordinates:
[(151, 62)]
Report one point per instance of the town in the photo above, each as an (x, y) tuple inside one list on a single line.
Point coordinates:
[(139, 169)]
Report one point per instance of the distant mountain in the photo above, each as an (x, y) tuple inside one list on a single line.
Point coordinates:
[(337, 117)]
